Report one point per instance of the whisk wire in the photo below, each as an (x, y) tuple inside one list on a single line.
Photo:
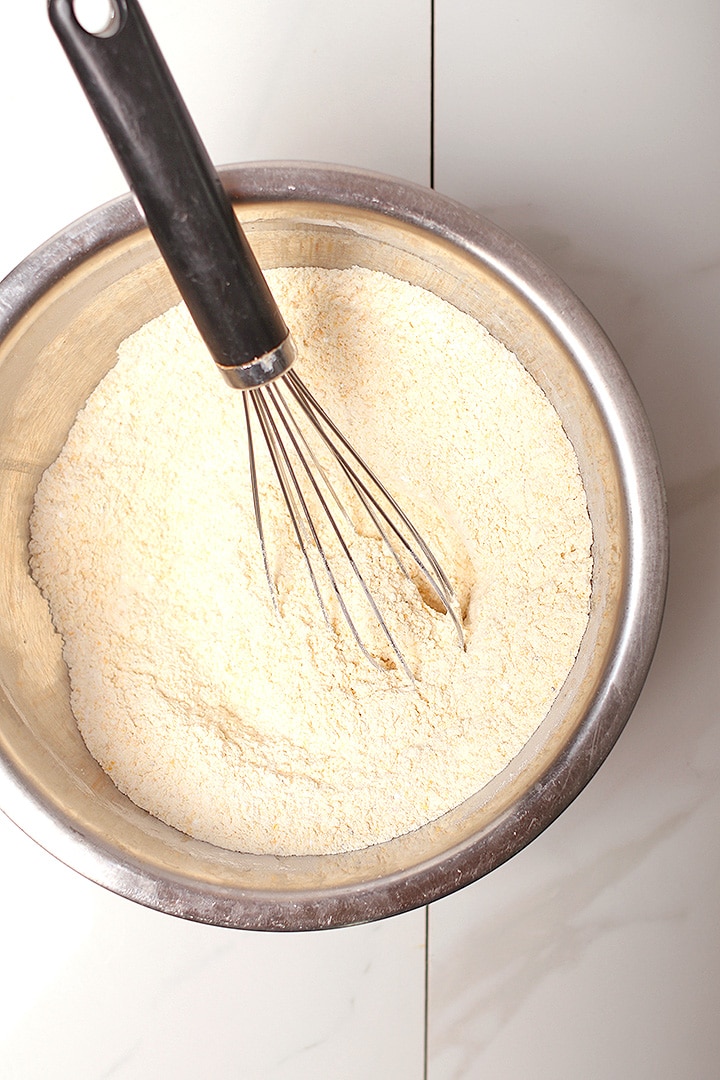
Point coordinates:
[(287, 481), (435, 577), (275, 396), (302, 520), (318, 466), (256, 502)]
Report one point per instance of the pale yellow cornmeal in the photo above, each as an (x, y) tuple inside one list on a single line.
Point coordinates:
[(272, 733)]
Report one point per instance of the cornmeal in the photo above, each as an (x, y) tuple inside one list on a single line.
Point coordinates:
[(268, 731)]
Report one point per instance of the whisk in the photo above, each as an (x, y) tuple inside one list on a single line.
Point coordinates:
[(139, 107)]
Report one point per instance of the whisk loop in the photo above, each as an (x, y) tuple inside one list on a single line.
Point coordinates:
[(298, 432)]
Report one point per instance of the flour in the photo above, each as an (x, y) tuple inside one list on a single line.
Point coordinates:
[(272, 733)]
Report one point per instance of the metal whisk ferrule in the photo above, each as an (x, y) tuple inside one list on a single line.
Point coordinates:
[(262, 370)]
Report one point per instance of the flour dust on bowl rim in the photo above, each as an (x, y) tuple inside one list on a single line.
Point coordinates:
[(64, 311)]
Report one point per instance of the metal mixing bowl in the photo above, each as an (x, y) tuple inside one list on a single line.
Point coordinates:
[(63, 312)]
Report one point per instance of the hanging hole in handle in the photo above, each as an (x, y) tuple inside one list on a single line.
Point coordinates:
[(101, 18)]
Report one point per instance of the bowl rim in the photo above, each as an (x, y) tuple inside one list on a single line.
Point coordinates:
[(574, 766)]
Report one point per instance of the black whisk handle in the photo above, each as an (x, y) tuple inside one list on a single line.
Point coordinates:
[(188, 212)]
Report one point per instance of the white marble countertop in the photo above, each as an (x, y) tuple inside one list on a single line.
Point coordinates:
[(589, 131)]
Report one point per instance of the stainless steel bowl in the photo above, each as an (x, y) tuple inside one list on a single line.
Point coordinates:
[(64, 311)]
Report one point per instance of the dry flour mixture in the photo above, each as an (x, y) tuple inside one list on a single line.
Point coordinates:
[(274, 734)]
